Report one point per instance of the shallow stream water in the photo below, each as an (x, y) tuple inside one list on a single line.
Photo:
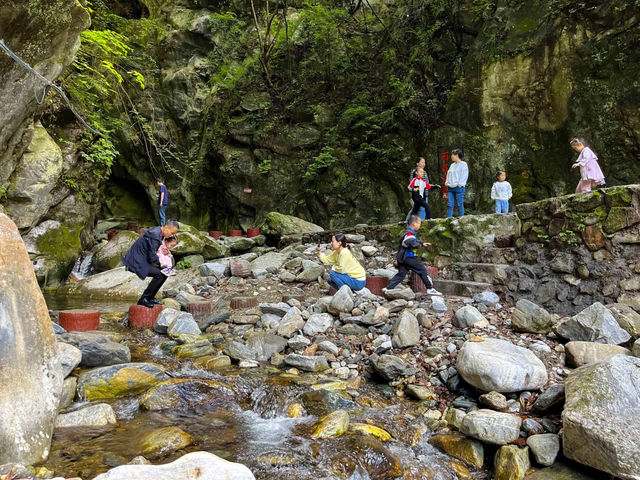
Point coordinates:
[(251, 425)]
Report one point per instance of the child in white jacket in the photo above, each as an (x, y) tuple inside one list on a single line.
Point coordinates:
[(501, 192)]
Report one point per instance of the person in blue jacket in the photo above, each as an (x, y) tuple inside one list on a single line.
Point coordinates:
[(142, 259), (163, 200)]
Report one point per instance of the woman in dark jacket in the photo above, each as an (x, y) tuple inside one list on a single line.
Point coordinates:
[(142, 259)]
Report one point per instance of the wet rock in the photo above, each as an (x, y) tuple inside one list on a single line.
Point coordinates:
[(466, 449), (406, 331), (420, 392), (551, 397), (368, 455), (264, 345), (97, 350), (511, 463), (193, 466), (495, 364), (333, 424), (366, 429), (627, 318), (70, 357), (321, 402), (559, 471), (601, 409), (96, 416), (342, 301), (531, 427), (118, 380), (468, 316), (529, 317), (585, 353), (389, 367), (454, 417), (183, 324), (491, 427), (212, 362), (291, 323), (307, 363), (318, 323), (494, 400), (182, 393), (489, 298), (199, 348), (68, 392), (165, 440), (593, 324), (545, 448), (164, 319)]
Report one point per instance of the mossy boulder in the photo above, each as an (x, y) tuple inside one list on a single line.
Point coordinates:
[(189, 243), (585, 202), (164, 441), (181, 393), (109, 255), (617, 219), (118, 380), (278, 224), (199, 348), (214, 249), (511, 463), (618, 196), (466, 449), (331, 425)]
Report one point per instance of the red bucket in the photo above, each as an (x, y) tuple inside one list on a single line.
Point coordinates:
[(215, 234), (417, 285), (141, 317), (79, 320), (234, 233), (253, 232), (376, 284)]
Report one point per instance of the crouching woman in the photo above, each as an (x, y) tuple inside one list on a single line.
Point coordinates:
[(346, 269)]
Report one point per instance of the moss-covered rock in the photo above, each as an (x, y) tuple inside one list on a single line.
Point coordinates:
[(332, 425), (511, 462), (466, 449), (164, 441), (180, 393), (118, 380), (278, 224), (110, 254)]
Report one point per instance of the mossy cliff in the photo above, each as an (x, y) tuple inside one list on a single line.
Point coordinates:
[(323, 115)]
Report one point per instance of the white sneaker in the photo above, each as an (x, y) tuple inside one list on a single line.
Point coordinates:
[(433, 291), (384, 290)]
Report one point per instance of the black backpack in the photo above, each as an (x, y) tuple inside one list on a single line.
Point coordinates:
[(402, 250)]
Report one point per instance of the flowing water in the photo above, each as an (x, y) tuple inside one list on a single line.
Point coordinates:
[(251, 426)]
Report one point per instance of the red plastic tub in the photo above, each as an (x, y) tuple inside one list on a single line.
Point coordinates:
[(376, 284), (79, 320), (234, 233), (215, 234), (253, 232)]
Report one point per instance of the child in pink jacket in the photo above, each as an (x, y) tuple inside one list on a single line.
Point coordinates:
[(165, 257), (590, 174)]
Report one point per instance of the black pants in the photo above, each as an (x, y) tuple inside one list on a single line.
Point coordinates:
[(414, 264), (419, 201), (156, 284)]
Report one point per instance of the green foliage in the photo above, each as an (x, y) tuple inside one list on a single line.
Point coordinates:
[(183, 265), (320, 163), (264, 167), (569, 237), (102, 154), (3, 192)]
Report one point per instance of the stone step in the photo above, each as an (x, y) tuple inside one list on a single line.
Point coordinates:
[(493, 273), (461, 288), (498, 255)]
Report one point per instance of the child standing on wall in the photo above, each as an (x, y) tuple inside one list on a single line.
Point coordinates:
[(501, 192), (590, 174), (419, 190), (165, 257)]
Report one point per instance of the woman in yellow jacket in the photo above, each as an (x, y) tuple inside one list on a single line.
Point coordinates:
[(346, 269)]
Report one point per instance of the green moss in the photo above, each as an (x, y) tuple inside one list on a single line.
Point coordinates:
[(618, 197), (616, 220), (62, 243)]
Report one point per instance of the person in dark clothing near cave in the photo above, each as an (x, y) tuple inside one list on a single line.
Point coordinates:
[(142, 259), (163, 201)]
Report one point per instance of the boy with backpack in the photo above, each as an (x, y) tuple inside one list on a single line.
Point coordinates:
[(407, 259)]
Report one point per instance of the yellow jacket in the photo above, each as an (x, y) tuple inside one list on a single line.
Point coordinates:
[(344, 262)]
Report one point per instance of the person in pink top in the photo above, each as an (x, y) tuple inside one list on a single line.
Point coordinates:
[(165, 257), (590, 174)]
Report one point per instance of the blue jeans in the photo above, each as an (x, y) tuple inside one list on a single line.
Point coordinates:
[(336, 280), (163, 219), (421, 214), (502, 206), (456, 198)]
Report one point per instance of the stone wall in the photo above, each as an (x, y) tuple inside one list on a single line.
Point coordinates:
[(564, 252)]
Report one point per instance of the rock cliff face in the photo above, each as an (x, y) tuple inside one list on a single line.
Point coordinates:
[(34, 161), (30, 372)]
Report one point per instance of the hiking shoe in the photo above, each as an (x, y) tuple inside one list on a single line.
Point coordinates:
[(433, 291), (155, 301), (145, 302)]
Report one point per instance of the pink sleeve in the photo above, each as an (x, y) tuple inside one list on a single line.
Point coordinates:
[(586, 156)]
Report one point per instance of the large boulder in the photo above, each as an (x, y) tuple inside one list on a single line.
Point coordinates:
[(270, 262), (192, 466), (491, 427), (278, 224), (593, 324), (601, 417), (118, 380), (97, 350), (627, 318), (585, 353), (406, 331), (495, 364), (30, 371), (109, 255), (93, 417)]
